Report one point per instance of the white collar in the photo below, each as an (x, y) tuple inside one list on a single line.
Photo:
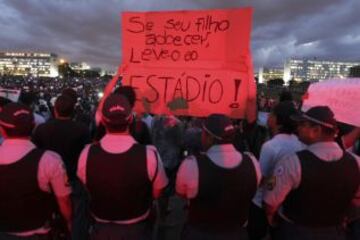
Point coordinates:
[(221, 148), (17, 141)]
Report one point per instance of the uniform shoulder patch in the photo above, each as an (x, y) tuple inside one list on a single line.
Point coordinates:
[(279, 171), (270, 183)]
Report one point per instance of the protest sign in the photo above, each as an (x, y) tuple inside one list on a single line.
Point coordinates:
[(11, 94), (189, 93), (189, 62), (341, 95)]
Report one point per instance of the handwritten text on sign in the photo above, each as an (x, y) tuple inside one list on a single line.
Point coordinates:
[(189, 62), (189, 92), (341, 95), (188, 38)]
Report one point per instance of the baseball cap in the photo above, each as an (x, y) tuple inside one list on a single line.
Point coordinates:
[(16, 116), (321, 115), (219, 126), (116, 109)]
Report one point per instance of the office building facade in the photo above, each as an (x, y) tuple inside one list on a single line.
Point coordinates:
[(316, 70), (29, 63), (266, 74)]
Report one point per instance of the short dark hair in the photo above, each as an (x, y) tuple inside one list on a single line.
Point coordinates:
[(71, 93), (64, 106), (283, 112), (285, 95), (116, 128), (226, 140), (128, 92), (24, 131)]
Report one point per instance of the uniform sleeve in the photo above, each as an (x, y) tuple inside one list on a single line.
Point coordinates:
[(81, 168), (266, 160), (286, 176), (187, 179), (52, 175), (256, 166), (156, 169)]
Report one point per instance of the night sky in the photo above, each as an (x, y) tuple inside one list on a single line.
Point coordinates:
[(89, 30)]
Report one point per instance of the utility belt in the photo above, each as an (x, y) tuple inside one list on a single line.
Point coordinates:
[(142, 218)]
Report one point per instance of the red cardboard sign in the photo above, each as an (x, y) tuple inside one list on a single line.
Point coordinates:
[(189, 62), (341, 95)]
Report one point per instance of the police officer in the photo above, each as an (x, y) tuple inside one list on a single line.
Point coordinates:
[(314, 187), (122, 176), (32, 181), (219, 184), (283, 142)]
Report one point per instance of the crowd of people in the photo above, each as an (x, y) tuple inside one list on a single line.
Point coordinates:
[(76, 162)]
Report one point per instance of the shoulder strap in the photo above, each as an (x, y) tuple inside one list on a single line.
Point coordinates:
[(157, 168)]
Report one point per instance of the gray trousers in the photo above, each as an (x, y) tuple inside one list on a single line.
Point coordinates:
[(112, 231), (290, 231)]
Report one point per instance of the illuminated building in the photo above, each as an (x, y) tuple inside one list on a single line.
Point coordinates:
[(25, 63), (266, 74), (78, 67), (82, 69), (316, 70), (355, 72)]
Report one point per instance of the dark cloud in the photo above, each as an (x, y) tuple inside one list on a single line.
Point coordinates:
[(89, 30)]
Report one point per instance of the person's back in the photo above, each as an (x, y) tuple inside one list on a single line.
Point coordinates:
[(223, 198), (65, 137), (62, 135), (122, 176), (284, 142), (219, 184), (314, 187), (32, 181)]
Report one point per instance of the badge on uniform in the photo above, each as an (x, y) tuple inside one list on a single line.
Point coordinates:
[(270, 183), (279, 170)]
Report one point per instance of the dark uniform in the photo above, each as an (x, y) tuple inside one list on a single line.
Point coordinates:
[(314, 187), (30, 180), (220, 185), (26, 207), (122, 178)]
